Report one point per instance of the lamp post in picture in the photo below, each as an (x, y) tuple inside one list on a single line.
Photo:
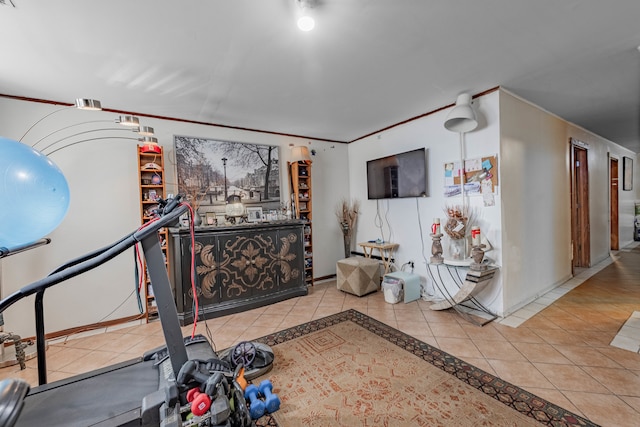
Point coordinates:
[(224, 165)]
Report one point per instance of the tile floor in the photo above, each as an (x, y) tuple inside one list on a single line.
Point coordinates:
[(558, 347)]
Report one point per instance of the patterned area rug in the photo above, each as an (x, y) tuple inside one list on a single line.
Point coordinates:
[(349, 369)]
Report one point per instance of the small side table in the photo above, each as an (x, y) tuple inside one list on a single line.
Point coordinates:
[(385, 249)]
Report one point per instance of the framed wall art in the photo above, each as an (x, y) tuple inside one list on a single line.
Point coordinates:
[(627, 173), (210, 172)]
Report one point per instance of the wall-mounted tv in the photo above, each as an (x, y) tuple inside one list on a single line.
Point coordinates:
[(397, 176)]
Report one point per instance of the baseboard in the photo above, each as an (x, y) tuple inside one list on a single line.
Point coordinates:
[(85, 328)]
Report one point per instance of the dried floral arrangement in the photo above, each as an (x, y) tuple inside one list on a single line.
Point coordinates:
[(347, 214), (194, 195), (458, 219)]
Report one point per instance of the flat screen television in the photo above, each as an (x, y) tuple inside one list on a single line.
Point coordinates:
[(397, 176)]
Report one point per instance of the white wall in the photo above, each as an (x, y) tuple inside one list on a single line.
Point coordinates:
[(402, 217), (537, 201), (103, 180)]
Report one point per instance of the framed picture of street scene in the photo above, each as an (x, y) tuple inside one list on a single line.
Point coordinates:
[(213, 172)]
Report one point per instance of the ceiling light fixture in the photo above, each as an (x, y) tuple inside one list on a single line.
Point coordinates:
[(305, 20)]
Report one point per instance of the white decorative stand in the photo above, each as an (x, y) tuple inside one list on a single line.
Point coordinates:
[(474, 282)]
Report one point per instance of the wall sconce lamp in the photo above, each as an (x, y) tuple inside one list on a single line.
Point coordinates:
[(462, 118), (300, 153)]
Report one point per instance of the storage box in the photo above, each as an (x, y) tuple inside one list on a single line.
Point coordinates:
[(409, 283)]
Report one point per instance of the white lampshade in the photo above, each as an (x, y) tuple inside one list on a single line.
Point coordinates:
[(300, 153), (462, 118)]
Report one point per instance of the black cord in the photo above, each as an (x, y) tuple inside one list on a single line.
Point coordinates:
[(378, 220), (120, 305), (386, 219)]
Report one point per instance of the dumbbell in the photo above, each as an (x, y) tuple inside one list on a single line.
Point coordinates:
[(200, 402), (256, 406), (271, 400)]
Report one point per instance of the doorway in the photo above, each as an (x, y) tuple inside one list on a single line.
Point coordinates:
[(613, 190), (580, 226)]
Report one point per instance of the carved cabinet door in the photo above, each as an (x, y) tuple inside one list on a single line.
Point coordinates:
[(290, 265), (205, 272), (247, 263)]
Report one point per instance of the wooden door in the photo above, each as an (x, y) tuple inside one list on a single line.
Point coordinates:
[(580, 227), (613, 185)]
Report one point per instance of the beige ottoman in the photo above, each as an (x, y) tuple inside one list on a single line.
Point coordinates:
[(357, 275)]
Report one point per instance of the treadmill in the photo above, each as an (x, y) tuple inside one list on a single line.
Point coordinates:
[(140, 392)]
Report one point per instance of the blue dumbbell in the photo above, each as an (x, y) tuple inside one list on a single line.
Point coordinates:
[(256, 406), (271, 400)]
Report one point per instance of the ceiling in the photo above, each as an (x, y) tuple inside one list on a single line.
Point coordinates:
[(367, 65)]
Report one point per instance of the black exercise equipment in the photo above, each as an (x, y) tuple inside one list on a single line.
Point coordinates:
[(12, 393), (142, 391)]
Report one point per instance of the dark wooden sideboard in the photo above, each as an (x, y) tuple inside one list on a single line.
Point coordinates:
[(237, 268)]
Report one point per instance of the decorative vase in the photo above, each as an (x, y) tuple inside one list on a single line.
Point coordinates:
[(457, 249), (346, 235), (347, 246), (197, 219)]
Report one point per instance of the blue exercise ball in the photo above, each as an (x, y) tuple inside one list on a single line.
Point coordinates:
[(34, 194)]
